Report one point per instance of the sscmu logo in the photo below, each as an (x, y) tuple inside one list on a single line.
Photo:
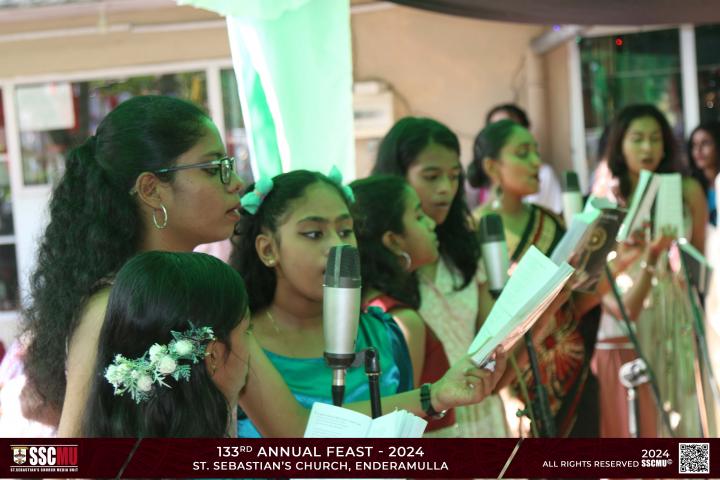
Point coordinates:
[(19, 455), (44, 458)]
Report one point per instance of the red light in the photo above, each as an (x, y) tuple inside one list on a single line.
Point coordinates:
[(619, 42)]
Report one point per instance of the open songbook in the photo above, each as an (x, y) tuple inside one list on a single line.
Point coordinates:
[(329, 421), (534, 284), (664, 190), (588, 241)]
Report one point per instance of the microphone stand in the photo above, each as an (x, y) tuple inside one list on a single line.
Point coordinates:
[(372, 370), (338, 386), (547, 423), (636, 345), (370, 359), (703, 362)]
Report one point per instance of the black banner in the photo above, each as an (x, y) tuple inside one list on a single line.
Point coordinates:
[(359, 458)]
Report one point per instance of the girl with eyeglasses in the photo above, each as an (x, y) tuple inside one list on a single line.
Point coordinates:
[(155, 176)]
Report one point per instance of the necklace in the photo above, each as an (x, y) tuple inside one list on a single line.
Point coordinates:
[(272, 321)]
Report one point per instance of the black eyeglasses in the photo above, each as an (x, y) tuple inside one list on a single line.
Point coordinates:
[(225, 164)]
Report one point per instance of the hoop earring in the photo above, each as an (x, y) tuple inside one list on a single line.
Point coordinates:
[(496, 197), (162, 225), (406, 258)]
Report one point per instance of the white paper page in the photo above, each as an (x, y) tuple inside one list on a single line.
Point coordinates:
[(640, 204), (669, 206), (414, 427), (529, 313), (580, 228), (387, 426), (397, 424), (542, 299), (534, 277), (329, 421)]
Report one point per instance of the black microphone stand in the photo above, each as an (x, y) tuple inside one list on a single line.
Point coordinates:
[(338, 386), (636, 345), (372, 370), (547, 423), (704, 364), (370, 359)]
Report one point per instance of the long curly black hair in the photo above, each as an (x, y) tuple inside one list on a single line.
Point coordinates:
[(95, 223), (399, 148)]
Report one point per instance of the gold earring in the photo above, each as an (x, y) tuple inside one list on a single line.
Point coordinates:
[(406, 258), (159, 225)]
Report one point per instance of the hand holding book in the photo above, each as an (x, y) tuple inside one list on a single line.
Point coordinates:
[(466, 383)]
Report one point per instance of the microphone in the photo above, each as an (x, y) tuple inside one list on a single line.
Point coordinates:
[(494, 252), (572, 198), (341, 313)]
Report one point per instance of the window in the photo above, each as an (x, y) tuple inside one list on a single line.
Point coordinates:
[(235, 136), (707, 48), (625, 69), (53, 117), (56, 117), (8, 260)]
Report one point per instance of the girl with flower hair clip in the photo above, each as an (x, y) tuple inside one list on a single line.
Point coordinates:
[(281, 250), (173, 352)]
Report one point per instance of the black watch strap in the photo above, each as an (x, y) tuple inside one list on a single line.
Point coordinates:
[(426, 403)]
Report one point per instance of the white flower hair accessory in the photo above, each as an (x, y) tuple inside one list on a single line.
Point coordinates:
[(336, 176), (138, 376)]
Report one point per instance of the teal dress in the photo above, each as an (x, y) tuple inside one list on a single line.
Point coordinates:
[(309, 379)]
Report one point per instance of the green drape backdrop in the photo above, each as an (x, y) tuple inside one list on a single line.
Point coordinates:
[(292, 59)]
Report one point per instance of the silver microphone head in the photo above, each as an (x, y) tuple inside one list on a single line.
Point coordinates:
[(494, 252), (491, 228), (341, 305), (343, 267)]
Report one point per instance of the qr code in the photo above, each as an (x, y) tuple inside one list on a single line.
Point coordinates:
[(694, 458)]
